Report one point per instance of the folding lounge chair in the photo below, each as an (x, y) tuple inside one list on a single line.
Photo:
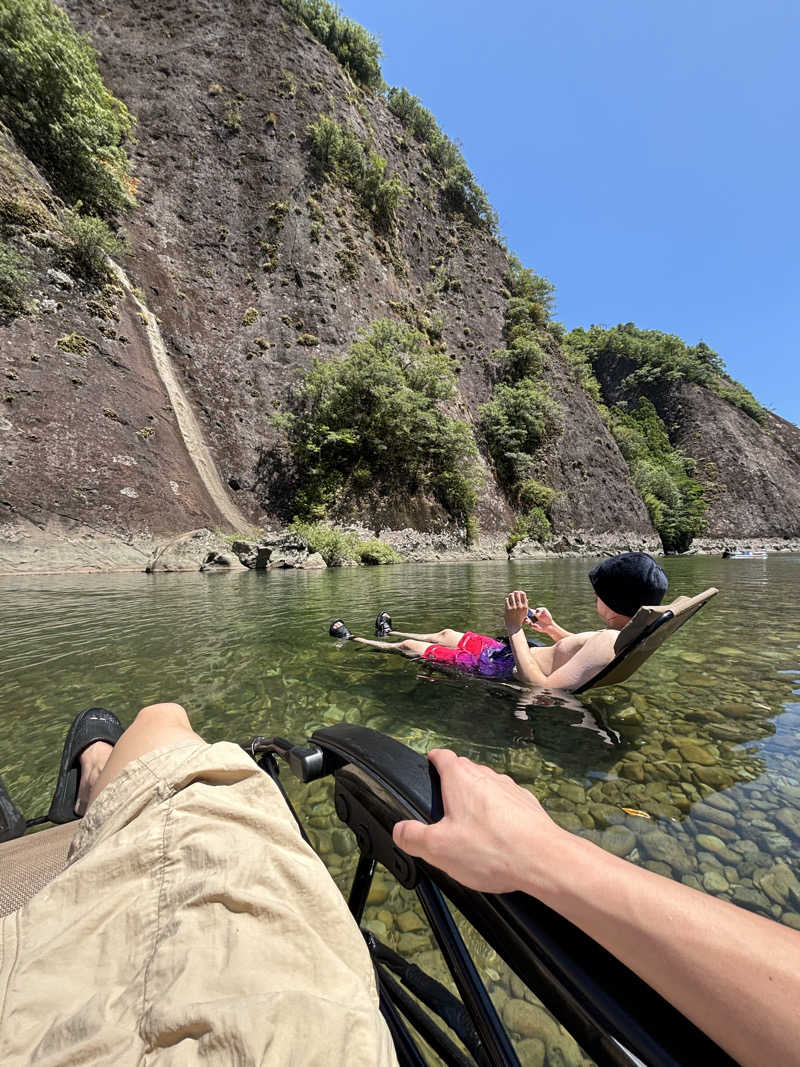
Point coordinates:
[(648, 630), (613, 1014)]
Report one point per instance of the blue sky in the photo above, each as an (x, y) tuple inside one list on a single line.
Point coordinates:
[(643, 156)]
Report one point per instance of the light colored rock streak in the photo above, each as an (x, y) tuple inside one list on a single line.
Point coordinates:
[(187, 423)]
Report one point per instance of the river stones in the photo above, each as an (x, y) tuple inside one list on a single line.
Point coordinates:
[(715, 777), (715, 882), (722, 802), (632, 772), (571, 791), (607, 815), (749, 898), (657, 867), (531, 1052), (566, 820), (779, 883), (791, 918), (409, 921), (618, 840), (694, 753), (713, 844), (790, 818), (408, 944), (738, 710), (530, 1020), (658, 845)]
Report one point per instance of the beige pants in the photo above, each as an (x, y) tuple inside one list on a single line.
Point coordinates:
[(192, 924)]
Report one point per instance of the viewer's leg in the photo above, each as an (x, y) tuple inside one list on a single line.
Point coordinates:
[(412, 649), (154, 727), (448, 638)]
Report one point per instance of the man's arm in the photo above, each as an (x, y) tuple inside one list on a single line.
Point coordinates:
[(733, 973), (596, 653), (544, 622)]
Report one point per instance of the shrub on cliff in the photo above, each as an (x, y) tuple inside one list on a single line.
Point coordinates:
[(514, 423), (663, 475), (337, 547), (15, 277), (341, 155), (356, 48), (90, 241), (372, 422), (54, 101)]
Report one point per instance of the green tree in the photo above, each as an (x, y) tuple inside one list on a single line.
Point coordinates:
[(54, 101), (356, 48), (373, 421)]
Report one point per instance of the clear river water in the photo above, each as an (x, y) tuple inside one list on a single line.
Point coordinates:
[(702, 742)]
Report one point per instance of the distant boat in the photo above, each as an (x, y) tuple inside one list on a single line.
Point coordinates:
[(755, 553)]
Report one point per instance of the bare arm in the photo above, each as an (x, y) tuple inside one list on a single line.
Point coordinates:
[(588, 659), (734, 974), (544, 622)]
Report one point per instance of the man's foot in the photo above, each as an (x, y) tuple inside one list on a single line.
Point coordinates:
[(340, 631), (383, 624), (92, 761), (82, 760)]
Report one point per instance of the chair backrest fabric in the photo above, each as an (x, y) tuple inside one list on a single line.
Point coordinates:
[(648, 630), (29, 863)]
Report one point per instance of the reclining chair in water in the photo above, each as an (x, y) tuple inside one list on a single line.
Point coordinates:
[(616, 1018), (648, 630)]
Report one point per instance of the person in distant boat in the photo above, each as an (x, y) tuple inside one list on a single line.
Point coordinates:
[(622, 584)]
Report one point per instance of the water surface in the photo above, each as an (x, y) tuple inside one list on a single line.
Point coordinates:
[(702, 741)]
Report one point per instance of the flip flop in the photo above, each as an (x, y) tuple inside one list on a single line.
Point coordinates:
[(12, 823), (338, 629), (94, 724), (383, 624)]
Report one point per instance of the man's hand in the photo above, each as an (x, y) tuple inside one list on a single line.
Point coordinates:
[(516, 611), (542, 620), (490, 830)]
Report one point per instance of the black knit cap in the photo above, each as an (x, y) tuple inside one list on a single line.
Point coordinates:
[(627, 581)]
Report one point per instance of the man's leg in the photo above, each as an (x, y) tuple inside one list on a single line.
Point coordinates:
[(448, 638), (412, 649), (154, 727)]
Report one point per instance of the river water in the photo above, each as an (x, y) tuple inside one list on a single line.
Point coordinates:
[(702, 741)]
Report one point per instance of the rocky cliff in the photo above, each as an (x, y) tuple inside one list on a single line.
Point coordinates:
[(245, 265)]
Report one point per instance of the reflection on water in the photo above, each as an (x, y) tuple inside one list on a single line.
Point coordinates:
[(702, 741)]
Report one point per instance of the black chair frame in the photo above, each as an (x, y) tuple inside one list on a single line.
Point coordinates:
[(616, 1017)]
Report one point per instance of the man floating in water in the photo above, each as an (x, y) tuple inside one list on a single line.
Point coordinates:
[(622, 584)]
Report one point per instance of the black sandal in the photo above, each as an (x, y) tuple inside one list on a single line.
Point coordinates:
[(339, 630), (94, 724), (383, 624)]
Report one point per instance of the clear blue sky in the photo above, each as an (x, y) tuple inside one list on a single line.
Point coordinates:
[(643, 156)]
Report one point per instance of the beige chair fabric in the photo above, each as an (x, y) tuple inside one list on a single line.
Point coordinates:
[(631, 650), (29, 863)]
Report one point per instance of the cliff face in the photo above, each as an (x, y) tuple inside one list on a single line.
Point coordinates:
[(751, 472), (253, 266)]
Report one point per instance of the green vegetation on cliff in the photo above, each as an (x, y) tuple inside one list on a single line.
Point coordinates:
[(54, 101), (521, 414), (357, 49), (663, 475), (359, 52), (372, 423), (338, 547), (15, 277), (659, 359), (339, 153)]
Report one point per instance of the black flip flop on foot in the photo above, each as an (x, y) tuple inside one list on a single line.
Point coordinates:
[(94, 724), (383, 624), (338, 629)]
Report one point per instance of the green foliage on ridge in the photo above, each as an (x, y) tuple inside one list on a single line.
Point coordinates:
[(90, 241), (340, 154), (460, 190), (356, 48), (661, 358), (54, 101), (372, 422), (663, 475), (359, 52)]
